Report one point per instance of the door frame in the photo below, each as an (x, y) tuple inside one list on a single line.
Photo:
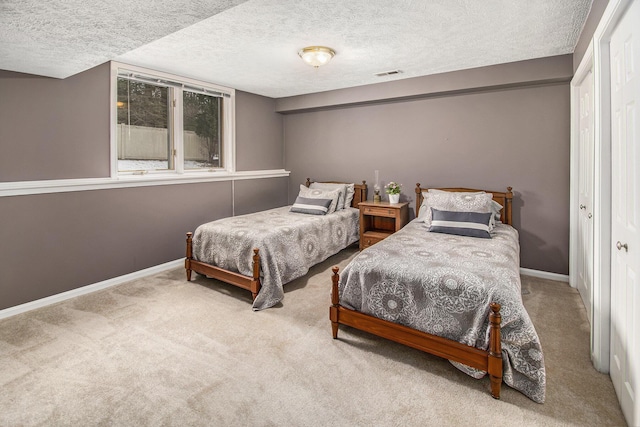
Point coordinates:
[(586, 66), (599, 311), (601, 302)]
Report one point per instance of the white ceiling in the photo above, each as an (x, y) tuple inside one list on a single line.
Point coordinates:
[(252, 46)]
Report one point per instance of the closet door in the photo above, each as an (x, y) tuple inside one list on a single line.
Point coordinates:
[(625, 236), (585, 194)]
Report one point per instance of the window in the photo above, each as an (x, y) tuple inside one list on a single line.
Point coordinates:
[(165, 124), (144, 140), (202, 131)]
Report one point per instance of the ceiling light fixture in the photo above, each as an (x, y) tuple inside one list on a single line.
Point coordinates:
[(316, 55)]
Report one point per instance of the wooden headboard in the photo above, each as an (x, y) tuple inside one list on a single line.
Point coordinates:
[(505, 199), (360, 190)]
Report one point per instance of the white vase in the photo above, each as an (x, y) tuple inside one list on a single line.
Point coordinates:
[(394, 198)]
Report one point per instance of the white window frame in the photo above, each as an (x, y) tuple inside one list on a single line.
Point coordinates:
[(123, 180), (179, 84)]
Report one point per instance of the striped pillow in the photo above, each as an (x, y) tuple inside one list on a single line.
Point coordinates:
[(454, 202), (472, 224), (311, 206), (316, 193)]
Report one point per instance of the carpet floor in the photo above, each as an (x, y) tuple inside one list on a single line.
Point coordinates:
[(161, 351)]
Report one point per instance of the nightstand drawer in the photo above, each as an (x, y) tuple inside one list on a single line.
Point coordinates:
[(379, 220), (379, 211)]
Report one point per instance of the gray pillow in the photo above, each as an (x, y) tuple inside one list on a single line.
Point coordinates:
[(472, 224), (311, 206), (454, 202), (344, 192), (316, 193), (495, 206)]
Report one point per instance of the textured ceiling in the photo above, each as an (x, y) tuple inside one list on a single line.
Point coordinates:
[(253, 46), (59, 38)]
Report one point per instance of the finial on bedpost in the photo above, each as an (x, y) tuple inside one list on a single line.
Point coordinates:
[(495, 350), (363, 194), (508, 209), (256, 264), (255, 283), (334, 289), (189, 257), (418, 198), (495, 308), (308, 183), (189, 246), (335, 302)]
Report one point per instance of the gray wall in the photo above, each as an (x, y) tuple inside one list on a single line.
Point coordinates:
[(56, 129), (491, 136), (450, 129), (258, 133)]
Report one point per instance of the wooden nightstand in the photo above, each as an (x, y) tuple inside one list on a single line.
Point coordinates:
[(380, 220)]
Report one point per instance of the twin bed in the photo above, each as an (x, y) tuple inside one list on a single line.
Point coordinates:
[(260, 252), (450, 295)]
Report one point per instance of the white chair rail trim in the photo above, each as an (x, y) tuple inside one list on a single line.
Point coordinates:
[(22, 188)]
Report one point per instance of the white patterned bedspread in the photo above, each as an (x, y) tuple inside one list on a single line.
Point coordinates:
[(289, 243), (443, 284)]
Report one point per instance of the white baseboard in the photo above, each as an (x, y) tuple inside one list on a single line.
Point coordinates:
[(544, 275), (12, 311), (43, 302)]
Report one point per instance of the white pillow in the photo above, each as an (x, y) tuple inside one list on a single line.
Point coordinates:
[(332, 186), (454, 202), (316, 193), (496, 208), (351, 191)]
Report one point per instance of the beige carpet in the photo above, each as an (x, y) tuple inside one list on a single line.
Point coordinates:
[(162, 351)]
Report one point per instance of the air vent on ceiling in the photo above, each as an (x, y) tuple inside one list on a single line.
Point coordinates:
[(387, 73)]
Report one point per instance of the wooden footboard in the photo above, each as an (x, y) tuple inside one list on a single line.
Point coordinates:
[(245, 282), (489, 361)]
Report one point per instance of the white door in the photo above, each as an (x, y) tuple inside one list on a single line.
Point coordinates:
[(585, 194), (625, 213)]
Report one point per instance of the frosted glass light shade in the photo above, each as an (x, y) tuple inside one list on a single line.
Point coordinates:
[(316, 55)]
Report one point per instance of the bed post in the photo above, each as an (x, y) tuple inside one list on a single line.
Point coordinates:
[(508, 201), (335, 302), (187, 261), (255, 283), (495, 350), (418, 197)]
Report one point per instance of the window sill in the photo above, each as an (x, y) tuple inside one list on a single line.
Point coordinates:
[(22, 188)]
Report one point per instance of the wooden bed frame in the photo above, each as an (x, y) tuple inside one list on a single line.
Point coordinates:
[(250, 283), (489, 360)]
